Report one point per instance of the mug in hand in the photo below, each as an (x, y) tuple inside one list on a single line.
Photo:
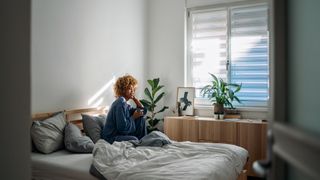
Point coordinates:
[(139, 110)]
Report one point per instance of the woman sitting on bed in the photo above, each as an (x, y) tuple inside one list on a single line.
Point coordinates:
[(123, 121)]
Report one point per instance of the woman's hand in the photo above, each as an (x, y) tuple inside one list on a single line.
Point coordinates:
[(139, 105), (134, 98), (137, 113)]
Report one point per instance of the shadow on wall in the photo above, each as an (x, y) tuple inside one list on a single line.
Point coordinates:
[(98, 98)]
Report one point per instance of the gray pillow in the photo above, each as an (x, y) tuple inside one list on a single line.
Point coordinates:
[(93, 125), (47, 135), (74, 141)]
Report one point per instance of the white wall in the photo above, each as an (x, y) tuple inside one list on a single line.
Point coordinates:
[(79, 45), (166, 46)]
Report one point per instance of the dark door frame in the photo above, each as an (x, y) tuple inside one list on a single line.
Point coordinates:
[(291, 145)]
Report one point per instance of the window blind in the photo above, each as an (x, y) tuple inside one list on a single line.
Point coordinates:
[(249, 54), (232, 43), (208, 46)]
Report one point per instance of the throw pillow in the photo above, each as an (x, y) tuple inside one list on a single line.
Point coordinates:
[(47, 135), (93, 125), (74, 141)]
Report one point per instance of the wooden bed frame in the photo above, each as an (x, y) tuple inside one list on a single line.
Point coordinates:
[(243, 175), (74, 116)]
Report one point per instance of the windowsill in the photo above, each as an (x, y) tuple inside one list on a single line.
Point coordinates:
[(241, 109)]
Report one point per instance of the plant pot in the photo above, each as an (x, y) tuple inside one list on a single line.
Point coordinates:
[(230, 111), (218, 108)]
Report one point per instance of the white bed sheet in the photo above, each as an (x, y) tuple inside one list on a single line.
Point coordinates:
[(179, 160), (61, 165)]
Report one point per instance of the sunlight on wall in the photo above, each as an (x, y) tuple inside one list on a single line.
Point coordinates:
[(96, 99), (97, 103)]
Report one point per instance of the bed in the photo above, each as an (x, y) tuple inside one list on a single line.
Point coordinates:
[(123, 160), (61, 165)]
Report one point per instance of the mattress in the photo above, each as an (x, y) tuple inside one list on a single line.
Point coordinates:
[(61, 165)]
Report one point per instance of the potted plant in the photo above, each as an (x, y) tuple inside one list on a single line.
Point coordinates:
[(221, 93), (150, 102)]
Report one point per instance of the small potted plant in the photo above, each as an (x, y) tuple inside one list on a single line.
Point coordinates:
[(221, 93)]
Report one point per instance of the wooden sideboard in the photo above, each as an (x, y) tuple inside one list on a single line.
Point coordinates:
[(249, 134)]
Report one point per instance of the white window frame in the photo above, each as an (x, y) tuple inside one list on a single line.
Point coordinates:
[(203, 103)]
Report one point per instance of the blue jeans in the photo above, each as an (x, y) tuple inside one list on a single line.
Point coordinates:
[(141, 131)]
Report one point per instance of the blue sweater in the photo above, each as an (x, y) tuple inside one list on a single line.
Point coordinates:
[(119, 120)]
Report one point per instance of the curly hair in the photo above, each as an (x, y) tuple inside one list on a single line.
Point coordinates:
[(123, 83)]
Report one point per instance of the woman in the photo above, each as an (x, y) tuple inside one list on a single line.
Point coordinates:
[(123, 121)]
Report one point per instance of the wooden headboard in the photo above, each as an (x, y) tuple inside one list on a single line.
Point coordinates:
[(72, 115)]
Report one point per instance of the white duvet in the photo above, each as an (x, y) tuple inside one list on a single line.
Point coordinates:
[(179, 160)]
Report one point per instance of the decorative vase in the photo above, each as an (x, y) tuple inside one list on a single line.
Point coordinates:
[(218, 108)]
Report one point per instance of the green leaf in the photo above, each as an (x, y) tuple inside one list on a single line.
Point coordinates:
[(159, 97), (147, 92), (154, 122), (152, 106), (214, 94), (148, 118), (237, 99), (222, 86), (154, 91), (238, 88), (155, 82), (207, 87), (233, 84), (163, 109), (151, 83), (145, 103), (231, 94), (150, 129), (228, 103), (214, 77), (206, 90)]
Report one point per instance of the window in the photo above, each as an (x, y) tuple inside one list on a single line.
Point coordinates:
[(232, 43)]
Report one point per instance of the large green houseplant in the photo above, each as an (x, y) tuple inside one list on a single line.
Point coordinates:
[(152, 96), (221, 93)]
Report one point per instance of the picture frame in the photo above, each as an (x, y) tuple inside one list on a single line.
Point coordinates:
[(185, 100)]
